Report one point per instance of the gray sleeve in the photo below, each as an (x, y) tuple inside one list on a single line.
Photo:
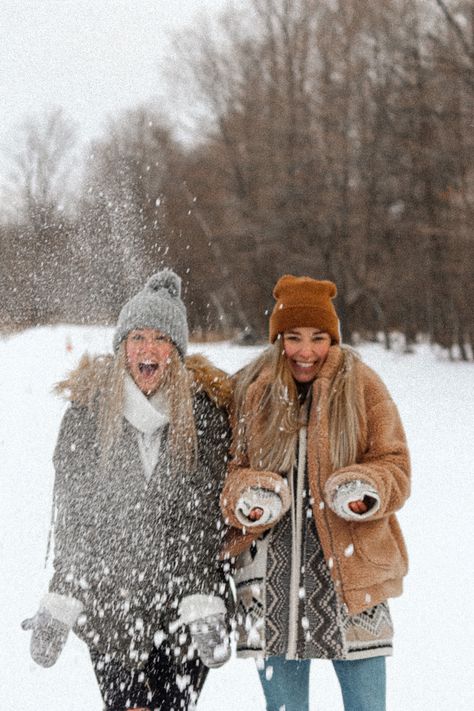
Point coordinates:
[(74, 461), (206, 523)]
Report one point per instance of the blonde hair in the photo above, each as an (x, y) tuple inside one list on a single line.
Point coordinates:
[(176, 385), (278, 416)]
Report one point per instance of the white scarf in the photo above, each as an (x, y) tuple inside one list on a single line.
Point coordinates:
[(148, 416)]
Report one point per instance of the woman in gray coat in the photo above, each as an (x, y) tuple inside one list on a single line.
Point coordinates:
[(140, 462)]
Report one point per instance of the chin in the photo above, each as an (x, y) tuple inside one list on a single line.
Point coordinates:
[(305, 377), (148, 388)]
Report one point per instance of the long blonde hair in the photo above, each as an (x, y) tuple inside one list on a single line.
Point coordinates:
[(278, 416), (176, 385)]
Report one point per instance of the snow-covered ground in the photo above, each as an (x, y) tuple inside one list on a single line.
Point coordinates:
[(432, 669)]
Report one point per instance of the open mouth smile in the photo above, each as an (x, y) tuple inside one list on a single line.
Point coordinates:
[(147, 368)]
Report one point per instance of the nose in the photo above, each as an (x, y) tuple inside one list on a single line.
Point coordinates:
[(147, 344), (305, 350)]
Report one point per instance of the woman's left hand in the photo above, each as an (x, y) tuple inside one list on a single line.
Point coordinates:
[(358, 506)]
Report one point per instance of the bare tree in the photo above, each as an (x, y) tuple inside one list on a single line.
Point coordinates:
[(333, 137), (41, 167), (459, 17)]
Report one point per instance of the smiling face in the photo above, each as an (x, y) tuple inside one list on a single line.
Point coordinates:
[(148, 353), (306, 349)]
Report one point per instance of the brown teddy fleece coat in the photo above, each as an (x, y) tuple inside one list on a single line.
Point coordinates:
[(367, 558)]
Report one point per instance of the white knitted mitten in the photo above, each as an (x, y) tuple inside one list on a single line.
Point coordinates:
[(255, 497), (351, 491)]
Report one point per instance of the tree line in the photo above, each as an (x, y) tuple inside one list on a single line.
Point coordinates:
[(332, 138)]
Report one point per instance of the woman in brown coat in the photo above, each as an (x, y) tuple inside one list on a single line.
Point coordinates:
[(320, 467)]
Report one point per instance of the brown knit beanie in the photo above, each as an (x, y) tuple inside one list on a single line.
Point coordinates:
[(302, 301)]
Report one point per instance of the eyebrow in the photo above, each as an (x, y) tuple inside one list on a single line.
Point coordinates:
[(297, 333)]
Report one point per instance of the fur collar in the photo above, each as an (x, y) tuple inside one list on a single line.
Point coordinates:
[(90, 378)]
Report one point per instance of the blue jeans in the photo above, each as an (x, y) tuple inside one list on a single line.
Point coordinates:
[(362, 683)]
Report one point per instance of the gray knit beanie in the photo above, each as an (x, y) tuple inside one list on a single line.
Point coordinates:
[(158, 305)]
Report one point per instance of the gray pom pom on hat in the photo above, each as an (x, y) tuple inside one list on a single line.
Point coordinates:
[(158, 305)]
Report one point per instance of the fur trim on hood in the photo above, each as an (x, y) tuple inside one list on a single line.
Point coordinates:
[(91, 376)]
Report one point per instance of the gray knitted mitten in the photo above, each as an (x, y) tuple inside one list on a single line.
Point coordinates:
[(211, 639), (48, 637)]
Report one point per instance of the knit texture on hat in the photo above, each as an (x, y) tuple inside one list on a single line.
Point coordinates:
[(302, 301), (158, 305)]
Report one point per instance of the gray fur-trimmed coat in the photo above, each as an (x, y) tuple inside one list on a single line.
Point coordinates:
[(130, 549)]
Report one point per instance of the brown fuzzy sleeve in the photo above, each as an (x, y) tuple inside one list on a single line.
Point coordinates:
[(212, 380), (385, 464)]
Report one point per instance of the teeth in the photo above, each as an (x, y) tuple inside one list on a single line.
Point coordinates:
[(304, 365), (148, 367)]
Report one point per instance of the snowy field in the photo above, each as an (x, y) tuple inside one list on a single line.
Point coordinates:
[(433, 665)]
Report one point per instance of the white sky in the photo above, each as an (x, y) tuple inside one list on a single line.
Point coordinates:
[(92, 57)]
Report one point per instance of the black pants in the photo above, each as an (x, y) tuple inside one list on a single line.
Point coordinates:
[(162, 683)]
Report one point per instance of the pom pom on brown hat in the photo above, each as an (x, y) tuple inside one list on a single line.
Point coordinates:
[(304, 302)]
